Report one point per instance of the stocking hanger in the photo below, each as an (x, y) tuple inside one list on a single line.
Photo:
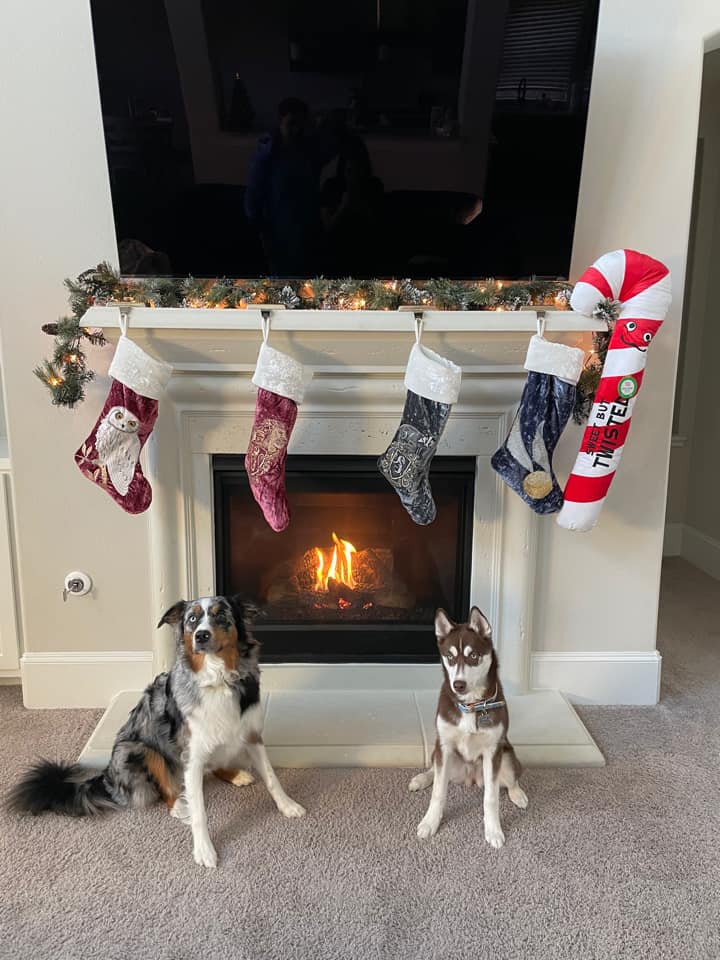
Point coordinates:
[(125, 319), (265, 324), (418, 326)]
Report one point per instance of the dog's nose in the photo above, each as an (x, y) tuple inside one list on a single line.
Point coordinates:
[(202, 638), (459, 686)]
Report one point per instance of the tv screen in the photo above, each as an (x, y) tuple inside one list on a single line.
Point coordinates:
[(363, 138)]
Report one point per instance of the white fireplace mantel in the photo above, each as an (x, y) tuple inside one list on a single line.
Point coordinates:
[(352, 405)]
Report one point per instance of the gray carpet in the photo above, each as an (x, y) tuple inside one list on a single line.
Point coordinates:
[(614, 862)]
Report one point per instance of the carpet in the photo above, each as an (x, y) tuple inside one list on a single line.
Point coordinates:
[(621, 861)]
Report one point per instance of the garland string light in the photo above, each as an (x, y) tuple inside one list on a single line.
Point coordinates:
[(66, 373)]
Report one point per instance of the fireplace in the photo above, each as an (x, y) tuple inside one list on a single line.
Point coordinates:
[(353, 578)]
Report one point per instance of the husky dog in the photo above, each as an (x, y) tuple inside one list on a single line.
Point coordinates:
[(472, 724), (205, 714)]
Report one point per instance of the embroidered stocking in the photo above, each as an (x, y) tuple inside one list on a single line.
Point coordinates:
[(433, 385), (281, 380), (110, 455), (525, 459)]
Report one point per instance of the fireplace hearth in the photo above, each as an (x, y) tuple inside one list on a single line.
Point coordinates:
[(353, 578)]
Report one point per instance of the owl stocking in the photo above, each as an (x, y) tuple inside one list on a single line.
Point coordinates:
[(110, 455), (281, 381)]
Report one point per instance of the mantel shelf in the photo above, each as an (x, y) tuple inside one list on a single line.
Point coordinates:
[(340, 321)]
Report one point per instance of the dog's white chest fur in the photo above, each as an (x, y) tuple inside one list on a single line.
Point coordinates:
[(467, 739), (216, 722)]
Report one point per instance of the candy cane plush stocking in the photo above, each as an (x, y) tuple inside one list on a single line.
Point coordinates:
[(642, 286)]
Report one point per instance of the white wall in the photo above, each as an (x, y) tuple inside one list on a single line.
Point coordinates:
[(56, 220), (693, 510), (600, 592), (596, 592)]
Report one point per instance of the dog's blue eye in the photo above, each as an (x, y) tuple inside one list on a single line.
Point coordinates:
[(192, 619)]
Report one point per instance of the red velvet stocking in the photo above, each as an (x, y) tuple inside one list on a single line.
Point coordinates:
[(281, 381)]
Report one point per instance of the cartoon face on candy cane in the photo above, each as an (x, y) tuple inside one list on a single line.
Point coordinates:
[(637, 333)]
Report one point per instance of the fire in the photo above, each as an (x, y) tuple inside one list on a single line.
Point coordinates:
[(337, 566)]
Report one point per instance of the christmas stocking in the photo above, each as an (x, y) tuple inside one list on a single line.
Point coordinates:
[(110, 455), (525, 459), (281, 381), (433, 385)]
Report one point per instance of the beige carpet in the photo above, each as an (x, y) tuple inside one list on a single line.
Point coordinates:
[(616, 862)]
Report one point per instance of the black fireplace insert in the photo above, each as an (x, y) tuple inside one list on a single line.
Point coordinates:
[(353, 578)]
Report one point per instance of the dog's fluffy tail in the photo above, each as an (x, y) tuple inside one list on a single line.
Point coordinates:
[(61, 788)]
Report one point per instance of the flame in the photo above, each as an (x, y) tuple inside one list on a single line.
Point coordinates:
[(338, 566)]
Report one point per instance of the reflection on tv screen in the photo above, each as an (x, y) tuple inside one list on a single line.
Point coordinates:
[(368, 138)]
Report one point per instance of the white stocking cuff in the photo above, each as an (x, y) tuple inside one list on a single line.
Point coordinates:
[(281, 374), (432, 376), (136, 369), (556, 359)]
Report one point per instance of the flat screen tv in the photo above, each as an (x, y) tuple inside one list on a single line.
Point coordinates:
[(364, 138)]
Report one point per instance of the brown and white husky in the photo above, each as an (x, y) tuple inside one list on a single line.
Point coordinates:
[(471, 723)]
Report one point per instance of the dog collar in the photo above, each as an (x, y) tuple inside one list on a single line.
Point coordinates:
[(481, 707)]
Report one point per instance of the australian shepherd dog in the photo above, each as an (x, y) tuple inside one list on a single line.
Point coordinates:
[(205, 714), (471, 723)]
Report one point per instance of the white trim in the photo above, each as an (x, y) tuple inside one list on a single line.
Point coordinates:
[(77, 678), (672, 541), (431, 376), (701, 550), (350, 676), (555, 359), (281, 374), (601, 677), (136, 369), (344, 321)]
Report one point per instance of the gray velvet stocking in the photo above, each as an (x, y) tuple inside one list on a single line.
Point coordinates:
[(406, 462)]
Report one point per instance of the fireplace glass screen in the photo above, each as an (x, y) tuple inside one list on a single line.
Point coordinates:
[(352, 577)]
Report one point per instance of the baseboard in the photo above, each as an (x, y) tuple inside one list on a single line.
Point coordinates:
[(599, 677), (80, 679), (672, 541), (702, 551)]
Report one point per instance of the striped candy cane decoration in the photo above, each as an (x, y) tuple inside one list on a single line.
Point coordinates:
[(642, 285)]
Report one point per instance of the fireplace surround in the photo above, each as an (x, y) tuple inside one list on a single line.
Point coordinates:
[(358, 710)]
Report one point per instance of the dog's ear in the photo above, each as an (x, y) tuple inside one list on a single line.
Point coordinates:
[(479, 623), (443, 624), (175, 614), (245, 611)]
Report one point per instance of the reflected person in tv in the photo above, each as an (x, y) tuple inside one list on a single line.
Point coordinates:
[(351, 207), (282, 194)]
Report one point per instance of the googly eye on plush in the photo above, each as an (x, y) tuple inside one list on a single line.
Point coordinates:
[(647, 337), (118, 415), (132, 423), (631, 325)]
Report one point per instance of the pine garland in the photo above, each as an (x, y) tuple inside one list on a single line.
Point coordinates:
[(66, 373)]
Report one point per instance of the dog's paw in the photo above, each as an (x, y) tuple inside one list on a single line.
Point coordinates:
[(494, 836), (288, 808), (243, 778), (428, 827), (204, 854), (419, 782), (180, 810), (518, 797)]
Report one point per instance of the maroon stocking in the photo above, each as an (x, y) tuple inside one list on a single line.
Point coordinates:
[(281, 380), (110, 456)]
